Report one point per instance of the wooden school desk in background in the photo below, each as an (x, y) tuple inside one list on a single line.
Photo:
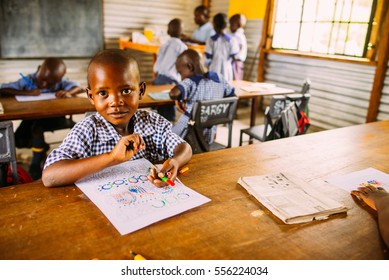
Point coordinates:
[(13, 110), (256, 95), (62, 223)]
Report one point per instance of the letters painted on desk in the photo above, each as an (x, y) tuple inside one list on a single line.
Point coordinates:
[(130, 201)]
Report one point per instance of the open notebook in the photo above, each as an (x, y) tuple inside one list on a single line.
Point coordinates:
[(290, 198)]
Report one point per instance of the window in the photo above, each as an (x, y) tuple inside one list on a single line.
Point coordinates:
[(326, 27)]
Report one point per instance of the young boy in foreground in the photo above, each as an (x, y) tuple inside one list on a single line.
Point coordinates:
[(118, 132)]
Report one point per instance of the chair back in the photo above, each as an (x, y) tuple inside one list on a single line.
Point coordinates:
[(207, 113), (7, 153)]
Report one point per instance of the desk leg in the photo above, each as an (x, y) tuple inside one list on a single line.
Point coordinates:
[(253, 116)]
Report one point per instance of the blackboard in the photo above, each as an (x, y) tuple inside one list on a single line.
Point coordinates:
[(41, 28)]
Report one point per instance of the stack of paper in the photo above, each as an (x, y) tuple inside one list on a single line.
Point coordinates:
[(290, 198)]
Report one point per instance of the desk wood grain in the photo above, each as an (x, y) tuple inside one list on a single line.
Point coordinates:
[(61, 223)]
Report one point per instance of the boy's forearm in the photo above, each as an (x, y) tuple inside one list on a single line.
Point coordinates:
[(12, 91), (67, 172), (76, 90), (182, 153)]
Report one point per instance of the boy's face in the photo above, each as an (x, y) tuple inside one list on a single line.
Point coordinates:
[(200, 18), (115, 92), (234, 25), (47, 79)]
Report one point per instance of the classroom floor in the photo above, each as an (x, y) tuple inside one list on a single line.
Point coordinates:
[(242, 121)]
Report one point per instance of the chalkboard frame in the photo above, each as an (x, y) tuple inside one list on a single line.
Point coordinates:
[(42, 28)]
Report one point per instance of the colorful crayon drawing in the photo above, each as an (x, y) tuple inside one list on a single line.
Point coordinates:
[(131, 202)]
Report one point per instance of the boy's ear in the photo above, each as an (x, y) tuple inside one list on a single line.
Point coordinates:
[(191, 67), (142, 90), (90, 96)]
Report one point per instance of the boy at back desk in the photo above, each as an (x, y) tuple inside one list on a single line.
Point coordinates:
[(118, 132), (196, 85), (49, 77)]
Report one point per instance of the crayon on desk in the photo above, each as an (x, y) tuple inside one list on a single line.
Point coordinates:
[(136, 256), (183, 170)]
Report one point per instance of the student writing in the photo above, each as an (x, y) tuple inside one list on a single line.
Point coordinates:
[(49, 77), (118, 131), (196, 85)]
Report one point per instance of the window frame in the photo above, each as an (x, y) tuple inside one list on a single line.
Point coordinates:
[(373, 37)]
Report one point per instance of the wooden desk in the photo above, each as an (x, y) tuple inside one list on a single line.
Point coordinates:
[(14, 110), (61, 223), (255, 96), (150, 48)]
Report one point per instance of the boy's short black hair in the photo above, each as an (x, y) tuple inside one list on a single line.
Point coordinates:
[(202, 9), (220, 21), (114, 56), (174, 27)]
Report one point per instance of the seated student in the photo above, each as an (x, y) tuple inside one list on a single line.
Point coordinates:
[(221, 49), (237, 23), (196, 85), (48, 78), (118, 132), (165, 66), (377, 199), (205, 28)]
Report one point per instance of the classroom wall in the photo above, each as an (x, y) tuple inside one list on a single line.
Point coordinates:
[(383, 112)]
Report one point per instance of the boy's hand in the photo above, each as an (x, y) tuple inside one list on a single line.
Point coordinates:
[(127, 147), (63, 94), (169, 169), (34, 92), (181, 106), (369, 194)]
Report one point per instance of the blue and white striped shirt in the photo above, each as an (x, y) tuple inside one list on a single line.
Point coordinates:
[(94, 135), (207, 87)]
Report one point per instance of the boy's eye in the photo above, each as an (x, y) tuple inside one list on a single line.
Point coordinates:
[(102, 93), (127, 91)]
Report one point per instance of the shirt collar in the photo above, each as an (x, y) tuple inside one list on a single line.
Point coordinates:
[(216, 36), (106, 132), (197, 78)]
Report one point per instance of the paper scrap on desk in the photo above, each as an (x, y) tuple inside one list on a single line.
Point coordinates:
[(255, 87), (290, 198), (1, 108), (42, 96), (351, 181), (162, 95), (130, 201)]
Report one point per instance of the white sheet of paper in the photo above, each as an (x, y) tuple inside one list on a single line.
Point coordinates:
[(353, 180), (131, 202), (42, 96)]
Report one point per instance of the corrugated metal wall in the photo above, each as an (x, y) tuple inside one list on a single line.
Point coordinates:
[(383, 113), (340, 91)]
